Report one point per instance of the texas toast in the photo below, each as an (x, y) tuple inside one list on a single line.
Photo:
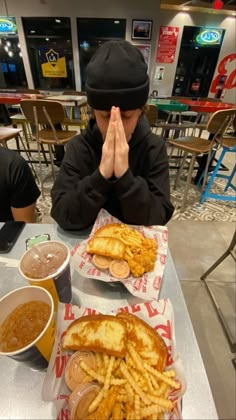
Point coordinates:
[(101, 333)]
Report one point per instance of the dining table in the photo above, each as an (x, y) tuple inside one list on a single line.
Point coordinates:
[(205, 107), (21, 387), (68, 100), (168, 105)]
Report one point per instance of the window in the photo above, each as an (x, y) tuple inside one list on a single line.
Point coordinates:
[(12, 72), (93, 32), (50, 52)]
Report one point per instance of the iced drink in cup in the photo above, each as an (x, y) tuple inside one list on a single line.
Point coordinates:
[(48, 265)]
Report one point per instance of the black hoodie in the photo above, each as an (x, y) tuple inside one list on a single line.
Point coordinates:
[(140, 197)]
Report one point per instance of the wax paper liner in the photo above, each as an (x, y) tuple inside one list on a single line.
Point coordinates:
[(146, 287), (158, 314)]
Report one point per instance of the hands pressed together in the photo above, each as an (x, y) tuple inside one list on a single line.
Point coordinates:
[(115, 150)]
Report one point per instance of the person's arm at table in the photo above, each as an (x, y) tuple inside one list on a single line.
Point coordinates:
[(23, 191), (25, 214)]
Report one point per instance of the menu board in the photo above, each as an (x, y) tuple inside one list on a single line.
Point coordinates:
[(166, 46)]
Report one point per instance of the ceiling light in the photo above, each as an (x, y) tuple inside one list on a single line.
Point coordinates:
[(6, 48), (8, 43), (32, 31), (10, 53), (116, 22), (46, 39), (20, 54), (58, 20)]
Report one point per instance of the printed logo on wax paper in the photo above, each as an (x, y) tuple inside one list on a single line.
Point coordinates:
[(149, 309), (165, 235), (74, 249), (140, 284), (163, 259), (64, 414), (156, 282)]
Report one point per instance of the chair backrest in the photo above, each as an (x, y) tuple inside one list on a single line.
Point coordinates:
[(152, 114), (219, 122), (43, 112)]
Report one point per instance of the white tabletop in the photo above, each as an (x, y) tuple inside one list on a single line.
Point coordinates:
[(20, 390), (69, 100)]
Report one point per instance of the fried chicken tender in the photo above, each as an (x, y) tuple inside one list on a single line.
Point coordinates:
[(143, 257)]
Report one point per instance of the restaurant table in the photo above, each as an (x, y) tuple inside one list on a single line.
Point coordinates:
[(206, 106), (168, 105), (20, 390), (68, 100)]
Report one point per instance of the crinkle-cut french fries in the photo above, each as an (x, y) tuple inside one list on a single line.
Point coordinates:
[(119, 241)]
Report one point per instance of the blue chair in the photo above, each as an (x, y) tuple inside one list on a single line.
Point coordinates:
[(228, 145)]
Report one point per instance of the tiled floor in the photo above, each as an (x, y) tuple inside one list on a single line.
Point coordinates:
[(195, 246)]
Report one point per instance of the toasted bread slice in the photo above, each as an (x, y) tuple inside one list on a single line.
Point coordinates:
[(112, 230), (108, 247), (102, 333), (147, 342)]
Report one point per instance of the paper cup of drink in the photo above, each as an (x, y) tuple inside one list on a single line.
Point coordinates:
[(27, 326), (47, 265)]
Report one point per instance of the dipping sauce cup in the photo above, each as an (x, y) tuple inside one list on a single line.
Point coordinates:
[(27, 326), (48, 265)]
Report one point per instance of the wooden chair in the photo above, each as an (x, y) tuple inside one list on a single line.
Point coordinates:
[(45, 115), (191, 145), (165, 126), (19, 118), (80, 120)]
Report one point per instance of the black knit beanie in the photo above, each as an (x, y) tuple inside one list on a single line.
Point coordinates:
[(117, 75)]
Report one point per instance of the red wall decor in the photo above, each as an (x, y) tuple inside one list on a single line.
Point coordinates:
[(166, 46)]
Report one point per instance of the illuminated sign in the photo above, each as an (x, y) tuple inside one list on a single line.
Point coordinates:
[(7, 25), (209, 36)]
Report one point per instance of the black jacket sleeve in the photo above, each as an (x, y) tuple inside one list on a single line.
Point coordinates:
[(146, 201), (76, 200)]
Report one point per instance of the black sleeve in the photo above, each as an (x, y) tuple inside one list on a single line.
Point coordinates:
[(22, 186), (146, 201), (76, 200)]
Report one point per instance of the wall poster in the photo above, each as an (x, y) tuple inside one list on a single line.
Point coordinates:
[(159, 73), (145, 50), (166, 46), (51, 63)]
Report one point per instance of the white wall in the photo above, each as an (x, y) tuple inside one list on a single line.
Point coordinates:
[(128, 9)]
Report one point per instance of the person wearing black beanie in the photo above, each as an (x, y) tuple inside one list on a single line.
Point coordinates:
[(117, 163)]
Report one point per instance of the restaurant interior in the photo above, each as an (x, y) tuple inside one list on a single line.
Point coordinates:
[(190, 51)]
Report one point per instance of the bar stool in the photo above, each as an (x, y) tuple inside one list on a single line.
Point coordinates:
[(228, 146), (229, 251)]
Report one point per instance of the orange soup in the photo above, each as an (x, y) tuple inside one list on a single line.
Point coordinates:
[(23, 325)]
